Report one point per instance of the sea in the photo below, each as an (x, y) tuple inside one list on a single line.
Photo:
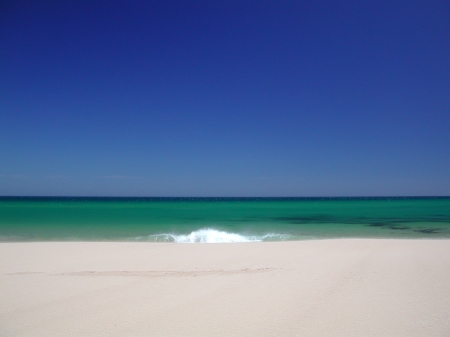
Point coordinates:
[(221, 220)]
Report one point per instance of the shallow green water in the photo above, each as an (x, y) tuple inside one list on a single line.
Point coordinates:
[(168, 219)]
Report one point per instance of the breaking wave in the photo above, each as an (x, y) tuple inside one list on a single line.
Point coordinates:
[(208, 235)]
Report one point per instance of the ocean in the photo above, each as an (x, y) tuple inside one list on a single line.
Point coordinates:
[(184, 220)]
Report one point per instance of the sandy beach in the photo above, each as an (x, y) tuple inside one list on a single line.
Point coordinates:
[(340, 287)]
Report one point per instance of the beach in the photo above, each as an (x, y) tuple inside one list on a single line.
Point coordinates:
[(337, 287)]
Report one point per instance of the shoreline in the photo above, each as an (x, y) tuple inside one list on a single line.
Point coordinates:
[(320, 287), (133, 240)]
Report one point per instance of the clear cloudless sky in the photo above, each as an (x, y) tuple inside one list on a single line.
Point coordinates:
[(224, 98)]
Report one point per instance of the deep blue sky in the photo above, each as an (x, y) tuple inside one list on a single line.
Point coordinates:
[(232, 98)]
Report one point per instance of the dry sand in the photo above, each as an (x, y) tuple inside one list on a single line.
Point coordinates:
[(343, 287)]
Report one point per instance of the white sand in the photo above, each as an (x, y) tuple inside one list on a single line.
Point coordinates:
[(310, 288)]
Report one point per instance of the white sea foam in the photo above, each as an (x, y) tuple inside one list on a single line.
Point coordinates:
[(208, 235)]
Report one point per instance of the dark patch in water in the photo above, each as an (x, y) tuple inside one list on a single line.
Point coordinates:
[(429, 230), (401, 228), (387, 221), (389, 225), (377, 224)]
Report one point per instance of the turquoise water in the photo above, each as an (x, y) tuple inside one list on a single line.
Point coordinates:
[(221, 219)]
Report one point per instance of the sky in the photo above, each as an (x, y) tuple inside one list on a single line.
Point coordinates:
[(224, 98)]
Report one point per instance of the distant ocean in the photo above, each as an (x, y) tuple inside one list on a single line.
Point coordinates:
[(221, 219)]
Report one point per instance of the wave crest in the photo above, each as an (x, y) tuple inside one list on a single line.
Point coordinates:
[(208, 235)]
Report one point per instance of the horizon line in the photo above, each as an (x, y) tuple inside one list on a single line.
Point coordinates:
[(224, 197)]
